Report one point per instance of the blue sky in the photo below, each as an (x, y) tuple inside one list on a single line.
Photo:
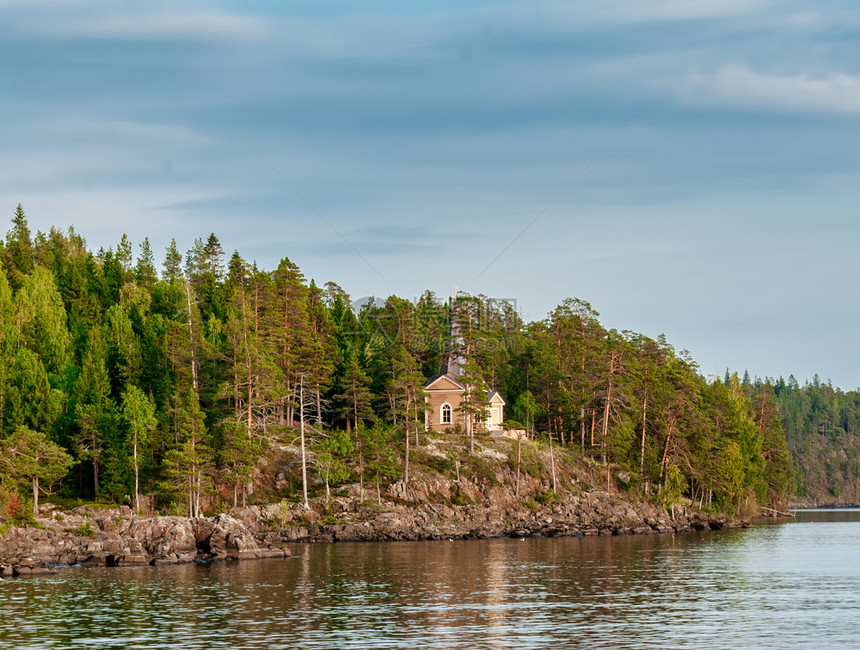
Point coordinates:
[(430, 134)]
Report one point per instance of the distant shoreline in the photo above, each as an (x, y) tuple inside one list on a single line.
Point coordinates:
[(823, 506)]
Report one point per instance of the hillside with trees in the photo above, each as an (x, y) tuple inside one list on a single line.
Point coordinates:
[(203, 382), (822, 432)]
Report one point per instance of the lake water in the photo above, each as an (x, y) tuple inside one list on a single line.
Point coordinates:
[(779, 586)]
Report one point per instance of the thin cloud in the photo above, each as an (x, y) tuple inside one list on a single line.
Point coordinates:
[(125, 129), (738, 86), (69, 151), (96, 20), (671, 10), (582, 15)]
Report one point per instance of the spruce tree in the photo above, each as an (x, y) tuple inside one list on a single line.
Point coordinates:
[(189, 465), (172, 262), (18, 249), (144, 273), (93, 407)]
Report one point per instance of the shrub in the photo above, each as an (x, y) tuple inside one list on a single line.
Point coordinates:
[(548, 498), (85, 529), (444, 466), (479, 468), (18, 511), (530, 462), (14, 506)]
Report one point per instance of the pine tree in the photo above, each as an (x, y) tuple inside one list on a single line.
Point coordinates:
[(473, 406), (287, 330), (214, 257), (406, 399), (28, 455), (196, 263)]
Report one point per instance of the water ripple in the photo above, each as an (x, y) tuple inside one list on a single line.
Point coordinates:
[(771, 587)]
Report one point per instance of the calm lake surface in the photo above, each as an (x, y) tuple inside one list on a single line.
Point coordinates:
[(783, 585)]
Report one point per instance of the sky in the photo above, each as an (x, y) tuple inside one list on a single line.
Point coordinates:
[(689, 167)]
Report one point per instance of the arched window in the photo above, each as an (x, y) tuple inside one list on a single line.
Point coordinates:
[(446, 414)]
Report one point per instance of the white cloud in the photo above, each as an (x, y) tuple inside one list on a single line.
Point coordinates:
[(175, 134), (103, 214), (569, 15), (207, 25), (106, 20), (670, 10), (65, 151), (43, 3), (739, 86)]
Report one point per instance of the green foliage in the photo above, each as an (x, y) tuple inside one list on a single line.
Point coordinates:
[(30, 458), (331, 458), (85, 529), (675, 485), (444, 466), (822, 432), (530, 460), (138, 412), (458, 497), (180, 386), (188, 464), (479, 469), (328, 520), (381, 463), (12, 505), (283, 513), (548, 498)]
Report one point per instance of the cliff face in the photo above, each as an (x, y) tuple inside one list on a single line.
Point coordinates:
[(485, 498)]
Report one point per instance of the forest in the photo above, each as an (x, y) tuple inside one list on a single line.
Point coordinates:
[(822, 432), (125, 380)]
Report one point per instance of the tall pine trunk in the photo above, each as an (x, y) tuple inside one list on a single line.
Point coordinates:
[(302, 434)]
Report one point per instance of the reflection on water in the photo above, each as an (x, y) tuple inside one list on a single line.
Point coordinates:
[(795, 584)]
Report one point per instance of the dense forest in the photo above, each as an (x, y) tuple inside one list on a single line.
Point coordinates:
[(124, 379), (822, 432)]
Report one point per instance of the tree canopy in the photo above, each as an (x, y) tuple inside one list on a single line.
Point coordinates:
[(179, 385)]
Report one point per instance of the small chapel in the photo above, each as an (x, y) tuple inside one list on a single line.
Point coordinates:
[(444, 395)]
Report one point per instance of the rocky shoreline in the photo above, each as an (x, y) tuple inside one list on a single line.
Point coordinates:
[(116, 537), (592, 513)]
